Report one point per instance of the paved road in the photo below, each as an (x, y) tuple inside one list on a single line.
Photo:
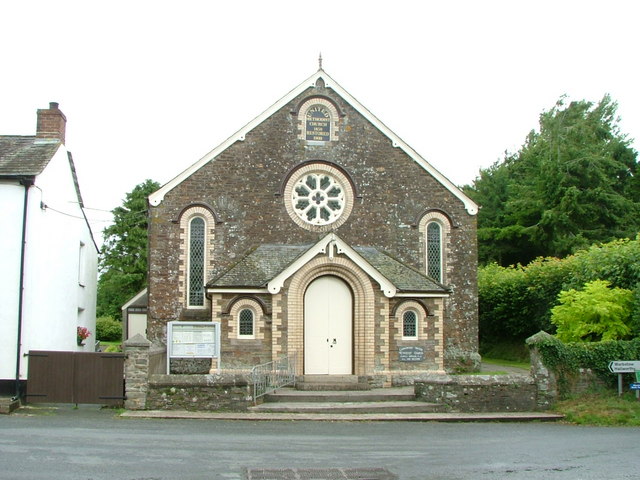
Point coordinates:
[(89, 443)]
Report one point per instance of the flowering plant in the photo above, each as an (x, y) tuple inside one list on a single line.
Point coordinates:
[(82, 333)]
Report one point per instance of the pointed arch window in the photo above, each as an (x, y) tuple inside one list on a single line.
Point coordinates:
[(197, 229), (434, 250)]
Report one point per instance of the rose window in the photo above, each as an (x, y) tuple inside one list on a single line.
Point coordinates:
[(318, 198)]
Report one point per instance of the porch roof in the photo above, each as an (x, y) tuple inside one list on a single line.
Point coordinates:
[(266, 262)]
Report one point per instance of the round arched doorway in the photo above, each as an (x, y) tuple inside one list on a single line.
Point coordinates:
[(328, 327)]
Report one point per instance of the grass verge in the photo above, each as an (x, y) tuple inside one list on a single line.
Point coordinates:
[(602, 409), (508, 363)]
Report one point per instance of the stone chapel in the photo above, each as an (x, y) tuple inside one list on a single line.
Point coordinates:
[(315, 232)]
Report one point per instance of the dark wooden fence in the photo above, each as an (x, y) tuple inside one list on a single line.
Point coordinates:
[(75, 377)]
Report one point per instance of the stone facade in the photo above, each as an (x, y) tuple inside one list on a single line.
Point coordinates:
[(242, 192)]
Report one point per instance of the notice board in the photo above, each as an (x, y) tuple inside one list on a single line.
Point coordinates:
[(193, 340)]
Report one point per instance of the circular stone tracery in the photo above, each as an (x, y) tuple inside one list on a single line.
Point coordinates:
[(318, 197)]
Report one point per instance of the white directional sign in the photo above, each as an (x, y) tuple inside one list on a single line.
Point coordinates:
[(624, 366)]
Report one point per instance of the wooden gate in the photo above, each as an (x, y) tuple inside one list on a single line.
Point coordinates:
[(75, 377)]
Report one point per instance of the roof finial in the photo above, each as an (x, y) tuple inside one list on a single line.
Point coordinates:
[(320, 61)]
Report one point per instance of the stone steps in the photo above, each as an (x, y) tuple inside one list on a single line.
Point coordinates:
[(348, 407), (331, 383), (383, 400), (323, 396)]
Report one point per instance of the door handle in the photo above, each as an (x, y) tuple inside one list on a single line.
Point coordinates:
[(334, 341)]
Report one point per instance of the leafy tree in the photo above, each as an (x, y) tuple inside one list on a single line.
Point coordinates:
[(597, 313), (572, 184), (123, 263)]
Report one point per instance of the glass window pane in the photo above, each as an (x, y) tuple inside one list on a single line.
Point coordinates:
[(196, 261), (246, 322), (409, 324), (434, 251)]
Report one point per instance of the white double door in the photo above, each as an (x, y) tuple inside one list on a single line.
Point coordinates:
[(328, 320)]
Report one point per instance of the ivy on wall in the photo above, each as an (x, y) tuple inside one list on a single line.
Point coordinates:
[(566, 359)]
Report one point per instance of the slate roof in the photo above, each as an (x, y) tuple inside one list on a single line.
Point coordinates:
[(25, 155), (265, 262), (405, 278), (259, 266)]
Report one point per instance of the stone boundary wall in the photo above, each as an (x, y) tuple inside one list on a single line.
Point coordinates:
[(146, 389), (199, 392), (480, 393)]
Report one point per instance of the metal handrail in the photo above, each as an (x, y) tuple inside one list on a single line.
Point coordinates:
[(270, 376)]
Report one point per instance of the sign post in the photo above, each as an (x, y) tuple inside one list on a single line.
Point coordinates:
[(624, 366)]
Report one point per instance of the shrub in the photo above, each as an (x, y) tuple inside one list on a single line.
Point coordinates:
[(593, 314), (515, 302), (108, 329)]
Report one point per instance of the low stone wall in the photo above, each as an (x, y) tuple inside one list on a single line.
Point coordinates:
[(199, 392), (480, 393)]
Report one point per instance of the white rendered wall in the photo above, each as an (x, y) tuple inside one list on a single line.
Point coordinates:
[(54, 301), (11, 202)]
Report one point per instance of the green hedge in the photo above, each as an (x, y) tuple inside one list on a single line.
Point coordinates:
[(515, 302), (108, 329)]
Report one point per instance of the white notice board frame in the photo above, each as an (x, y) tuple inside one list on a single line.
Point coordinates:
[(193, 340)]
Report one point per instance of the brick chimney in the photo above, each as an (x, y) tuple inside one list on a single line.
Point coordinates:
[(51, 123)]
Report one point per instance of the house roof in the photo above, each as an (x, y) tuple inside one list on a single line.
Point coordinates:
[(268, 266), (28, 156), (157, 197), (139, 300), (25, 155)]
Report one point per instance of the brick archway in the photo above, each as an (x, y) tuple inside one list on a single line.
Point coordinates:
[(364, 300)]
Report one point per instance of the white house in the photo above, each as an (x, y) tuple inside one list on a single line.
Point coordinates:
[(48, 256)]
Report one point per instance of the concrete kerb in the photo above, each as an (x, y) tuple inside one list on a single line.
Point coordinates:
[(382, 417)]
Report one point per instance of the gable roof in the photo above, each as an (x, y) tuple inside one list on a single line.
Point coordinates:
[(22, 156), (471, 207), (269, 266), (28, 156)]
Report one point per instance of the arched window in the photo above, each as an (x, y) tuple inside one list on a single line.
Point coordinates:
[(434, 251), (435, 237), (409, 325), (197, 224), (197, 228), (246, 323)]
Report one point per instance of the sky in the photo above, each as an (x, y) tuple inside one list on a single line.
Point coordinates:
[(150, 87)]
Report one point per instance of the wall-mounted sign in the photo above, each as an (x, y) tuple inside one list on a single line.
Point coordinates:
[(318, 126), (411, 354)]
